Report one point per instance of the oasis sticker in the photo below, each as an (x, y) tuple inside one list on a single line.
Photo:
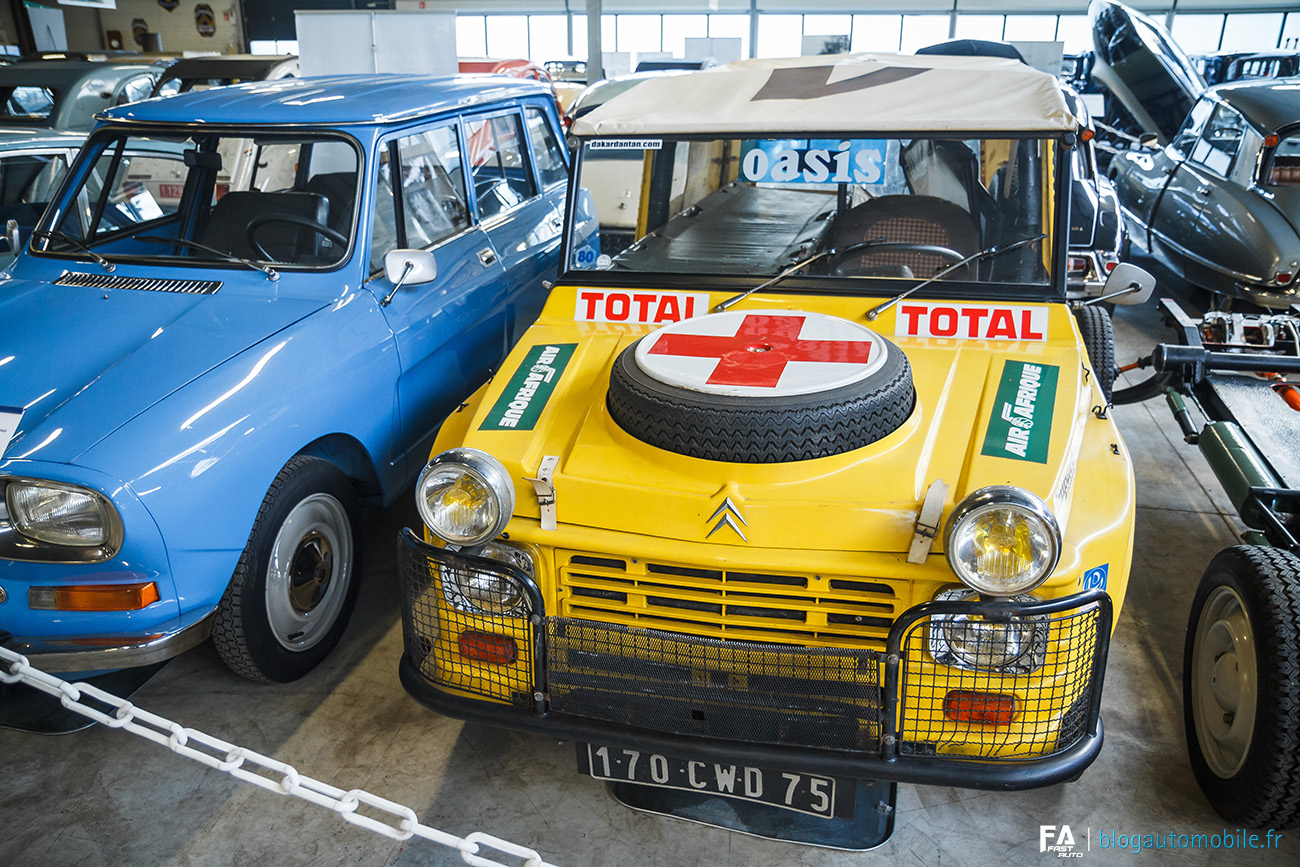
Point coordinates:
[(1097, 577), (971, 321), (526, 394), (1021, 428), (813, 161), (642, 308), (10, 416)]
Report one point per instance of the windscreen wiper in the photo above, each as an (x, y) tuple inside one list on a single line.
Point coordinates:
[(271, 273), (982, 254), (802, 263), (56, 235)]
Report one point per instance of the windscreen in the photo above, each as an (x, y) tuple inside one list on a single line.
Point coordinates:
[(286, 200), (889, 208)]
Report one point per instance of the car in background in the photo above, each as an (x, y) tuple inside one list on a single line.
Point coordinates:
[(564, 91), (1219, 205), (213, 352), (1264, 64), (32, 163), (191, 73), (66, 94)]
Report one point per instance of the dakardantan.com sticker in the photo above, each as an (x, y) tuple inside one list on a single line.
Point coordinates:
[(1021, 427), (526, 394)]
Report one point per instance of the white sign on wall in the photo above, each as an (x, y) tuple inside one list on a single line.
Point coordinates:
[(345, 43)]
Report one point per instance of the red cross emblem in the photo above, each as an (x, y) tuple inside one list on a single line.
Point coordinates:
[(759, 351)]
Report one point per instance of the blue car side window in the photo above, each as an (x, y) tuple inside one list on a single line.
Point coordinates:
[(433, 205)]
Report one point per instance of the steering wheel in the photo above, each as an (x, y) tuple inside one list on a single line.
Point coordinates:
[(256, 224), (839, 253)]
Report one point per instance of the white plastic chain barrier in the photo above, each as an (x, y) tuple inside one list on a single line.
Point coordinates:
[(251, 767)]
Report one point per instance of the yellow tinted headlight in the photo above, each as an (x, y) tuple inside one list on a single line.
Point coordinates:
[(1002, 540)]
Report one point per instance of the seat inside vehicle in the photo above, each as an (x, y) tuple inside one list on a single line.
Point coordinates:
[(227, 226), (889, 225)]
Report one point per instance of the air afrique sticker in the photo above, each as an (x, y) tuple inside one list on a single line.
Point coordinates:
[(526, 394), (1021, 428)]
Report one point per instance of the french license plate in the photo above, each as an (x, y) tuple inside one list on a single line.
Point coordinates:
[(800, 792)]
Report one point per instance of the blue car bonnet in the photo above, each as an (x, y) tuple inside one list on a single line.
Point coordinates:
[(81, 362)]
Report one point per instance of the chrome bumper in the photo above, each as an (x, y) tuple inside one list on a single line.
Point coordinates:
[(127, 655)]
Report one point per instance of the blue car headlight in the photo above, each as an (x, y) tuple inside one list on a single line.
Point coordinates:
[(58, 522)]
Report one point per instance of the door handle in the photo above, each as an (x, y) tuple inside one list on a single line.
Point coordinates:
[(1202, 191), (557, 222), (487, 256)]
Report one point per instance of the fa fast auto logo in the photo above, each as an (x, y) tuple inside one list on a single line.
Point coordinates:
[(1058, 840), (640, 308), (972, 321)]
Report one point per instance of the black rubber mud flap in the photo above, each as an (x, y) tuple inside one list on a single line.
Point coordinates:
[(870, 825)]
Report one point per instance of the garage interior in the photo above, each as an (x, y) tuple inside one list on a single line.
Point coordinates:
[(103, 797)]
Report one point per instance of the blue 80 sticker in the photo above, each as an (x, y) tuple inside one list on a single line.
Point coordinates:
[(585, 256)]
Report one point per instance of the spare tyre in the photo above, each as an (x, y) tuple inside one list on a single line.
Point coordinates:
[(761, 387)]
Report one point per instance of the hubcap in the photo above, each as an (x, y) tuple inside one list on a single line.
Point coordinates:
[(309, 571), (1225, 682)]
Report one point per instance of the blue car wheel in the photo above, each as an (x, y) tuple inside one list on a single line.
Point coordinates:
[(293, 590)]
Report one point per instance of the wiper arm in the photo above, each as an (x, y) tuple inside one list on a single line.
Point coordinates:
[(271, 273), (735, 299), (56, 235), (991, 251)]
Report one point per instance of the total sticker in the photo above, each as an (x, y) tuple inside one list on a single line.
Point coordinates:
[(642, 308), (971, 321)]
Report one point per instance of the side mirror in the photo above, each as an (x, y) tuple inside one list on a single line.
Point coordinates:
[(13, 236), (1149, 140), (408, 268), (1127, 284)]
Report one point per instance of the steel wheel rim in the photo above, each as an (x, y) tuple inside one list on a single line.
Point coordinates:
[(308, 572), (1225, 682)]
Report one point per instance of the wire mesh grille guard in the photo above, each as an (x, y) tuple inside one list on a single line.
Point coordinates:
[(1039, 705), (492, 656), (759, 693)]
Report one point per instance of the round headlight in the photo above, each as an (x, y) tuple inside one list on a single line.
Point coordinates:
[(1002, 540), (465, 496), (59, 514), (487, 592)]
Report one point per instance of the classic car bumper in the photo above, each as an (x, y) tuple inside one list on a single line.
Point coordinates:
[(897, 714), (129, 653)]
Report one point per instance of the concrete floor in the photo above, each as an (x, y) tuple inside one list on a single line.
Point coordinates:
[(101, 797)]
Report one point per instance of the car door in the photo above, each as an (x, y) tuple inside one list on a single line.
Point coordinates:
[(1146, 175), (1178, 219), (449, 332), (521, 222)]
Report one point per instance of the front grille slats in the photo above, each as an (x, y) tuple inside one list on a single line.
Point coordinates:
[(147, 284), (751, 692), (722, 604)]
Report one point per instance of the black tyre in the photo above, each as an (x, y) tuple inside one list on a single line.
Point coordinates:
[(761, 430), (1241, 686), (294, 587), (1099, 339)]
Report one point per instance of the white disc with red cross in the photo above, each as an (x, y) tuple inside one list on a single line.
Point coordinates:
[(770, 353)]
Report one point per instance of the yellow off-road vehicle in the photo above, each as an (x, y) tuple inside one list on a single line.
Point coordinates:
[(809, 487)]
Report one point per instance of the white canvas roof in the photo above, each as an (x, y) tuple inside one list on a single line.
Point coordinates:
[(840, 93)]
